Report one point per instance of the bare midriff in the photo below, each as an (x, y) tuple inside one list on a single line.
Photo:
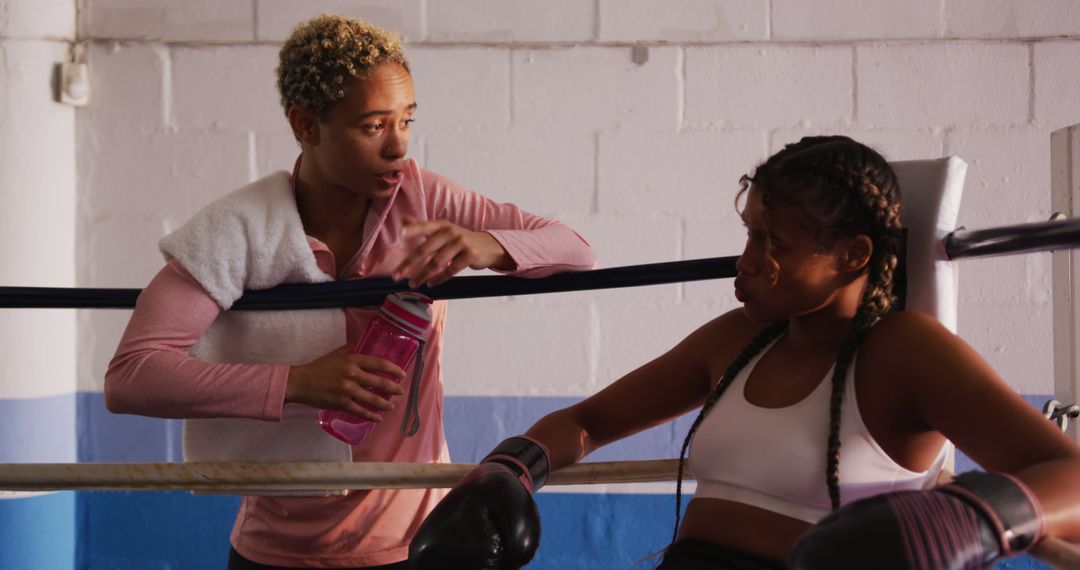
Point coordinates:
[(741, 527)]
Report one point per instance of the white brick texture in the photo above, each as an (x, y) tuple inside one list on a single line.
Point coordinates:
[(856, 19), (544, 173), (277, 18), (495, 347), (158, 176), (461, 88), (228, 88), (631, 337), (127, 89), (688, 20), (1057, 84), (689, 174), (1008, 177), (631, 239), (590, 88), (769, 86), (27, 19), (511, 21), (187, 21), (955, 84), (1017, 341), (1012, 18)]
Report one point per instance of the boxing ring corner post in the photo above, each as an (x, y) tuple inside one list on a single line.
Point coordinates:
[(1065, 269)]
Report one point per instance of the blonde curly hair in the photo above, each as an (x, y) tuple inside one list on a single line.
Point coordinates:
[(321, 54)]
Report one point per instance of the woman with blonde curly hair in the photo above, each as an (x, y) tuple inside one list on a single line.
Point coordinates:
[(353, 207)]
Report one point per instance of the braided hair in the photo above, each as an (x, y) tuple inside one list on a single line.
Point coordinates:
[(847, 189)]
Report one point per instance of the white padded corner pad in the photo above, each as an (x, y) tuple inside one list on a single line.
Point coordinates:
[(931, 191), (249, 239)]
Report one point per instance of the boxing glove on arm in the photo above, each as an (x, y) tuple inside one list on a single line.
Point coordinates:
[(488, 520), (969, 523)]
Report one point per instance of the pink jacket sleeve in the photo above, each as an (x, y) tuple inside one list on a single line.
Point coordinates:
[(151, 373), (538, 246)]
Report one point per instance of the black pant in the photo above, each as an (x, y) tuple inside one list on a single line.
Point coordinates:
[(238, 562), (693, 554)]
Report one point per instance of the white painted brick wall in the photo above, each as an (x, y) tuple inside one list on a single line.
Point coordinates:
[(511, 21), (856, 19), (1011, 18), (276, 18), (687, 174), (187, 21), (159, 176), (590, 88), (478, 330), (481, 160), (231, 88), (629, 119), (928, 85), (129, 87), (1057, 85), (40, 19), (769, 85), (461, 88), (1008, 178), (689, 20)]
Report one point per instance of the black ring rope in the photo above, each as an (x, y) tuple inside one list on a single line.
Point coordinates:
[(369, 292), (1021, 238)]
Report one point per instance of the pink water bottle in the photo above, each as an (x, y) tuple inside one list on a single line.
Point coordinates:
[(397, 333)]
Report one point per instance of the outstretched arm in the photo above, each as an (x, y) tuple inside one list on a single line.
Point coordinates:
[(956, 392), (669, 386), (940, 385), (489, 519)]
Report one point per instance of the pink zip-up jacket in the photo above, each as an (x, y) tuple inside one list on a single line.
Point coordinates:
[(152, 374)]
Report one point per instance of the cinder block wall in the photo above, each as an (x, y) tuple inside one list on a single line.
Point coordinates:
[(632, 120)]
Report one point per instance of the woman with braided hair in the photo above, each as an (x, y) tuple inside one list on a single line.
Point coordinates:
[(826, 415)]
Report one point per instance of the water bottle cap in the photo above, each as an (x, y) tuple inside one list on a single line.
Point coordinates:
[(409, 310)]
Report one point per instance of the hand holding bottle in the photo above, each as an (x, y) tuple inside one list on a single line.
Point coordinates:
[(341, 380), (396, 335)]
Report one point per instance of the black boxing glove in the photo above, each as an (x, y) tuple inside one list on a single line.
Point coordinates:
[(488, 520), (970, 523)]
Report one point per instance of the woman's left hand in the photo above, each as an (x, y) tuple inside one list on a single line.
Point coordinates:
[(445, 249)]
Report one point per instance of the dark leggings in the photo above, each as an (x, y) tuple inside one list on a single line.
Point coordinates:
[(703, 555), (238, 562)]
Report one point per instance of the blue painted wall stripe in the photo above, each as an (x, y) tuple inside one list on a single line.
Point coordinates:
[(38, 532), (178, 531), (473, 426), (38, 430)]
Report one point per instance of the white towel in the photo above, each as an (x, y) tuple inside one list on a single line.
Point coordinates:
[(253, 239)]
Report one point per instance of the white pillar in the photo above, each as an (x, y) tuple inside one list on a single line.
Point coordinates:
[(37, 248), (1065, 198)]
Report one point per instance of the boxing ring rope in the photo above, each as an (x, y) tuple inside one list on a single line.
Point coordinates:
[(305, 476), (297, 476), (1014, 239), (279, 477)]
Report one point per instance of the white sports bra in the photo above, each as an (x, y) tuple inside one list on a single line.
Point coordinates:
[(774, 458)]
